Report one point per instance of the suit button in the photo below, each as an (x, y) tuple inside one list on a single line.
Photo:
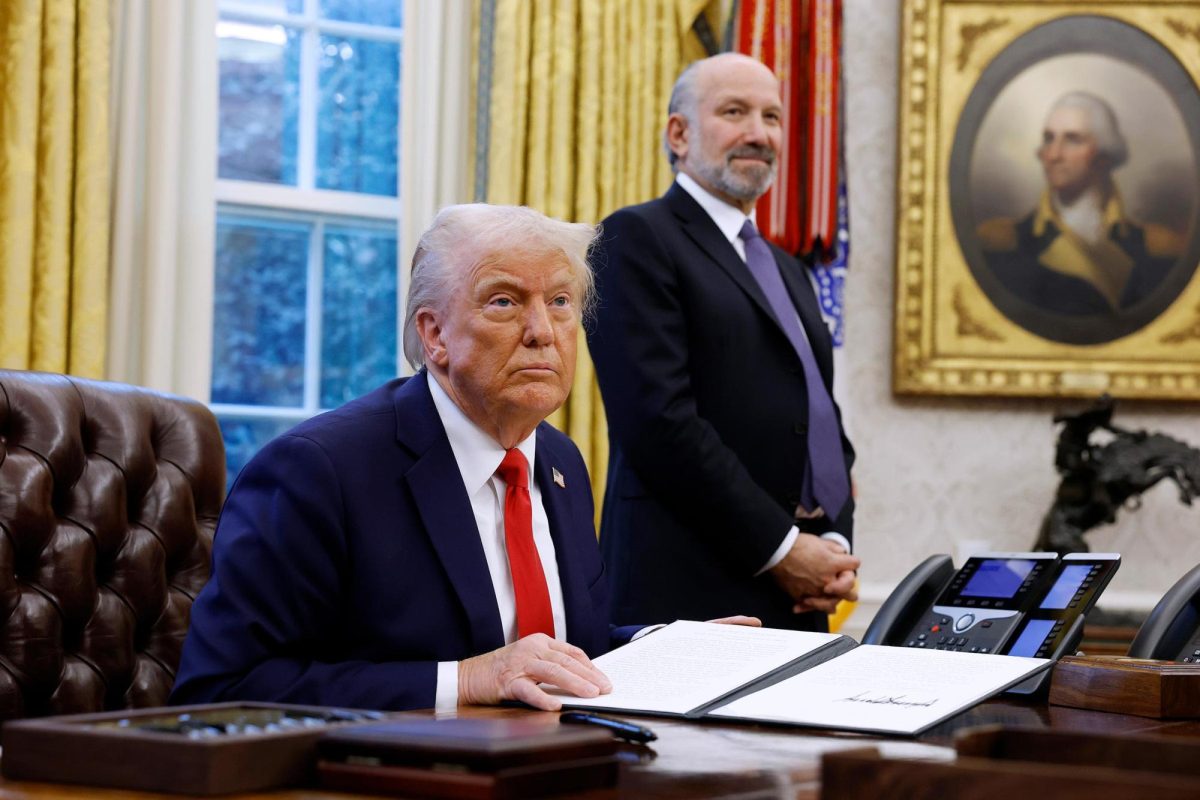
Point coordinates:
[(800, 429)]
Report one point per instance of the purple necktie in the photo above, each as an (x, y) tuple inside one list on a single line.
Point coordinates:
[(826, 481)]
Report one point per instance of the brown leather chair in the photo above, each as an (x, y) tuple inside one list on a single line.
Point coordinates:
[(109, 496)]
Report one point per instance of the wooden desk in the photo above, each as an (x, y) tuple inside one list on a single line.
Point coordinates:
[(729, 759)]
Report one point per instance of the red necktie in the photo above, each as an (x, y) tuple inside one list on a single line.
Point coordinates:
[(529, 582)]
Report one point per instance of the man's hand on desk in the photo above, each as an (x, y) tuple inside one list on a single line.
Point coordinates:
[(514, 671), (817, 573)]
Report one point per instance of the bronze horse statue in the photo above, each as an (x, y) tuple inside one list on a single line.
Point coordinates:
[(1100, 478)]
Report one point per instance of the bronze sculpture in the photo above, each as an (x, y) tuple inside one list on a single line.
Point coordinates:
[(1098, 478)]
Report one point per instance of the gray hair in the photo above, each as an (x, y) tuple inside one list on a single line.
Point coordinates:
[(1101, 121), (465, 236), (683, 101)]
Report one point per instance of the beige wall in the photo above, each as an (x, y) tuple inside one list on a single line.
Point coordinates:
[(935, 475)]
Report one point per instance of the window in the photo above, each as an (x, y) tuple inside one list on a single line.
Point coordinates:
[(306, 290)]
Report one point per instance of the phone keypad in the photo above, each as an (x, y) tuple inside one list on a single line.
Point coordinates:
[(947, 638)]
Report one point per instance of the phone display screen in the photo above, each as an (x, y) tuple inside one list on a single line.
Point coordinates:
[(1031, 638), (1068, 583), (998, 577)]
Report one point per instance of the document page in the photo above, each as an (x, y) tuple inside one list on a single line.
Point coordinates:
[(688, 664), (886, 689)]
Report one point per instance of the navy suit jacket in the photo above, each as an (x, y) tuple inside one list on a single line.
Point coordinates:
[(707, 412), (347, 563)]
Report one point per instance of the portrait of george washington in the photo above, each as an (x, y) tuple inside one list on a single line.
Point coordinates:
[(1074, 180)]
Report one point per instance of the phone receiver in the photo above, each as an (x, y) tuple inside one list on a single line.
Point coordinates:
[(1172, 623), (912, 596)]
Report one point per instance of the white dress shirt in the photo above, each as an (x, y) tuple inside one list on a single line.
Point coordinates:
[(730, 221), (479, 456)]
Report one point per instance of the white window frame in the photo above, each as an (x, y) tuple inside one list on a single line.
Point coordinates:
[(306, 203), (316, 221)]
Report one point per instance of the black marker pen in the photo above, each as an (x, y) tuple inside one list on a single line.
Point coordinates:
[(619, 728)]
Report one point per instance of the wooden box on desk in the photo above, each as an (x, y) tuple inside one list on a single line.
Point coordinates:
[(1159, 689), (475, 759), (136, 750)]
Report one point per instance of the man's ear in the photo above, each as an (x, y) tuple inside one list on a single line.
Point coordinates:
[(429, 330), (677, 135)]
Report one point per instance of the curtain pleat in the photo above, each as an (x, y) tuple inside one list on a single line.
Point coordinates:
[(54, 179), (163, 201), (578, 97), (93, 180)]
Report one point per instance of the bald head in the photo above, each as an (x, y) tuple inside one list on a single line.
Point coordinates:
[(724, 126), (695, 80)]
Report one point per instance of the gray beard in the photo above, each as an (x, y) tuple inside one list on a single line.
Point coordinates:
[(745, 188)]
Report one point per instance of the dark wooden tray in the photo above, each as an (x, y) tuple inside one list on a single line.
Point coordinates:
[(476, 759), (1159, 689), (184, 749), (1003, 763)]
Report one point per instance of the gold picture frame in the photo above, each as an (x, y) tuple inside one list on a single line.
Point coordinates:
[(976, 311)]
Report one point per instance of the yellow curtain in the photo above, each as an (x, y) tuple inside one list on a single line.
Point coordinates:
[(54, 184), (575, 102)]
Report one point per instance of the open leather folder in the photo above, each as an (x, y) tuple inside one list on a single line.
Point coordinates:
[(824, 680)]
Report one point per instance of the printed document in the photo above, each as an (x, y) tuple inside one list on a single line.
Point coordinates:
[(884, 689), (689, 665)]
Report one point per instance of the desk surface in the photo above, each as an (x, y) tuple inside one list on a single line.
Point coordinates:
[(727, 759)]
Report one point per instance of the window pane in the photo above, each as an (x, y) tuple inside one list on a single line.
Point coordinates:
[(370, 12), (258, 322), (289, 6), (259, 101), (358, 115), (245, 437), (358, 325)]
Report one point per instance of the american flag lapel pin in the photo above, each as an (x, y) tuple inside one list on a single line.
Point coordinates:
[(558, 478)]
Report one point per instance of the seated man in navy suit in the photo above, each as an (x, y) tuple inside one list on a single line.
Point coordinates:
[(431, 543)]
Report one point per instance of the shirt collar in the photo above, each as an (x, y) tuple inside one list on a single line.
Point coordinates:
[(478, 454), (1113, 211), (726, 217)]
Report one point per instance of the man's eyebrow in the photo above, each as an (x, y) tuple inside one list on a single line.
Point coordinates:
[(502, 281), (725, 100), (487, 272)]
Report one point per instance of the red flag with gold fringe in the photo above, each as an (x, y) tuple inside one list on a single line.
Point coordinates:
[(800, 40)]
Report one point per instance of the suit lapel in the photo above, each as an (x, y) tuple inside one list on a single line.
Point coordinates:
[(445, 509), (556, 500), (698, 226)]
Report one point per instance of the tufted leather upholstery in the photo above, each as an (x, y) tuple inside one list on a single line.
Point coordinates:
[(109, 495)]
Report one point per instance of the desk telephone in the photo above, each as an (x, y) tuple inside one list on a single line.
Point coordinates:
[(1172, 631), (1020, 604)]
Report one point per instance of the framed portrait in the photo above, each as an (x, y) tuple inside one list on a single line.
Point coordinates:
[(1048, 224)]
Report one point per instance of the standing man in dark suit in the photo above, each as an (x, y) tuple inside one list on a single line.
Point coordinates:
[(728, 484), (431, 543)]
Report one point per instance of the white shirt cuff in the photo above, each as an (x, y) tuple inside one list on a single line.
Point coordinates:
[(780, 551), (646, 630), (837, 538), (446, 696)]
